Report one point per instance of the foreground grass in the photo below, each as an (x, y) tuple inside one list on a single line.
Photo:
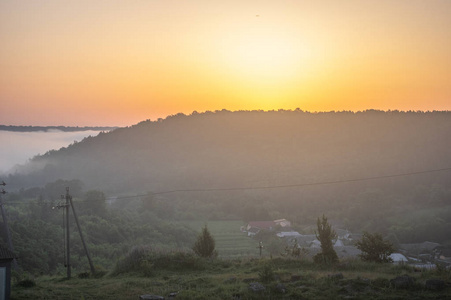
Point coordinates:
[(230, 279)]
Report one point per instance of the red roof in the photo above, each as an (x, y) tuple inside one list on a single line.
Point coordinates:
[(262, 224)]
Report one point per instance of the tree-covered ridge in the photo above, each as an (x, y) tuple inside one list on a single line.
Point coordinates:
[(234, 148), (223, 149), (49, 128)]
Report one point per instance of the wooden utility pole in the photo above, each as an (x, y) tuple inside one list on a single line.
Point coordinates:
[(5, 222), (67, 234), (91, 265), (67, 206), (260, 246)]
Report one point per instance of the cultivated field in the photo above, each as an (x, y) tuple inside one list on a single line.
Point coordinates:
[(230, 241)]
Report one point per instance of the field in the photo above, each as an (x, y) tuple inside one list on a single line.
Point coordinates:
[(230, 241)]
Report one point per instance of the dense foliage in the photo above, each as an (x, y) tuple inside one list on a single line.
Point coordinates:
[(374, 248), (223, 149), (138, 182), (38, 230)]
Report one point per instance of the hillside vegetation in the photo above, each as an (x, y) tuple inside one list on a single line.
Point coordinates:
[(188, 277), (130, 185), (241, 149)]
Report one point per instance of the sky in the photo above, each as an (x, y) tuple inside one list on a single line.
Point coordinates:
[(116, 63)]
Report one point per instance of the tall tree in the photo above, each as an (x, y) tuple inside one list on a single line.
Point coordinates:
[(325, 235), (205, 244)]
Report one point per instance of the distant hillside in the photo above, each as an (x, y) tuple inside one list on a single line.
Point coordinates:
[(234, 149), (256, 149), (48, 128), (229, 149)]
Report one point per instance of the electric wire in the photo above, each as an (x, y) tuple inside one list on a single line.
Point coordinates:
[(267, 187), (284, 186)]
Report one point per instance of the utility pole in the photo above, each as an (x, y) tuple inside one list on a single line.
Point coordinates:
[(5, 221), (67, 234), (91, 265), (67, 206), (260, 246)]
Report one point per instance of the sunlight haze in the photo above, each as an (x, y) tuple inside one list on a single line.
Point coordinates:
[(116, 63)]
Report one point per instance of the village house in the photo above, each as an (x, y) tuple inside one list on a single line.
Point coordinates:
[(426, 251), (6, 258), (254, 227)]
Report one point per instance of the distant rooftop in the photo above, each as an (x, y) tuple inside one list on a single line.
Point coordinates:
[(6, 254)]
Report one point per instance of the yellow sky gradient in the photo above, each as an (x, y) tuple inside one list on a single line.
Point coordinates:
[(120, 62)]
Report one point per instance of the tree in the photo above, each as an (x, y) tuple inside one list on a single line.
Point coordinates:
[(295, 250), (374, 248), (94, 203), (205, 244), (325, 235)]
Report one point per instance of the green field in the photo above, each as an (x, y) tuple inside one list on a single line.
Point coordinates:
[(230, 241)]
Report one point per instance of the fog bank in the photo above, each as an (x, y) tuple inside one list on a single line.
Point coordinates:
[(19, 147)]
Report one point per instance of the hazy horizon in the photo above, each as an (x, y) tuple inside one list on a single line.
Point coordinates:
[(22, 146)]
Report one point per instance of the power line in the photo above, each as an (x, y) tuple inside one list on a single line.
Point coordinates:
[(271, 186), (284, 186), (302, 184)]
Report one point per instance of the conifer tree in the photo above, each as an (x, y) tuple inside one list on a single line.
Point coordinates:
[(325, 235), (205, 244)]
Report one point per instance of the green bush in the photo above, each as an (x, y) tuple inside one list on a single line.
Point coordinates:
[(26, 283), (266, 274), (374, 248), (144, 260)]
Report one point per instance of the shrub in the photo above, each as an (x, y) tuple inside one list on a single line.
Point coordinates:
[(134, 261), (295, 250), (266, 274), (26, 283), (144, 260), (374, 248)]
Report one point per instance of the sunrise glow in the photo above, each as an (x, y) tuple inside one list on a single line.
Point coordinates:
[(118, 63)]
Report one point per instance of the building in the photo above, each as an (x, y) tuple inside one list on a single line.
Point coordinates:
[(6, 258)]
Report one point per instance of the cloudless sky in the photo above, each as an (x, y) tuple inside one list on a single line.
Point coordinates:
[(109, 62)]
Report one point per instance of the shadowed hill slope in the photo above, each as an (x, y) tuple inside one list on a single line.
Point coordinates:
[(233, 149), (222, 150)]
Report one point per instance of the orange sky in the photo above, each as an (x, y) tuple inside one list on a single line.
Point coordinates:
[(108, 62)]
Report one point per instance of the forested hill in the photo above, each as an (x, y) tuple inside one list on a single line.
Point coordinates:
[(268, 165), (225, 149)]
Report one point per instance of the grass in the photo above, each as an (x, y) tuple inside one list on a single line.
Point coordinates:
[(147, 271), (224, 278)]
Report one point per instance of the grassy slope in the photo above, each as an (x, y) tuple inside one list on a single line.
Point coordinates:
[(221, 279), (238, 264)]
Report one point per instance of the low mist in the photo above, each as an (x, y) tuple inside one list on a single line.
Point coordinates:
[(19, 147)]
